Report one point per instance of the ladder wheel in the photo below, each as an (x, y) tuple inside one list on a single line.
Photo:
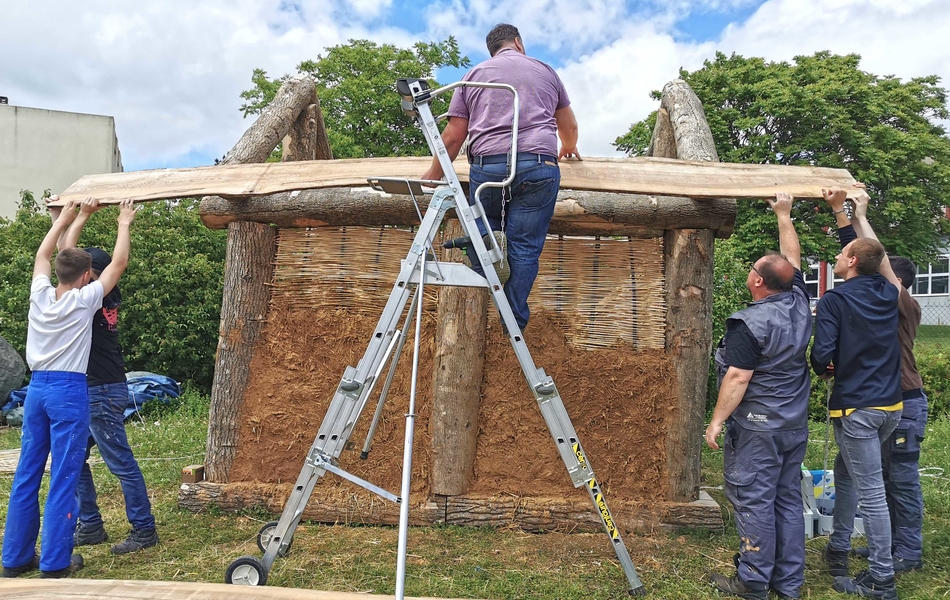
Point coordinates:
[(639, 592), (247, 570), (264, 536)]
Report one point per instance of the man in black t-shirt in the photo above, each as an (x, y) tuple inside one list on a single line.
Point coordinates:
[(764, 385), (108, 399)]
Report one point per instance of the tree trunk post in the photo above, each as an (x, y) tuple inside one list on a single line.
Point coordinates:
[(307, 139), (688, 257), (456, 386), (248, 269)]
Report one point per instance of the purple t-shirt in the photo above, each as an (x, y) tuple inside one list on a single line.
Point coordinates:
[(489, 112)]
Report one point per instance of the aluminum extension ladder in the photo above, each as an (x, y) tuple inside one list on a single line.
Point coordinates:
[(421, 268)]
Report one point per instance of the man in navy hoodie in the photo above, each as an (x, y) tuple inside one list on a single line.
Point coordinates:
[(856, 325)]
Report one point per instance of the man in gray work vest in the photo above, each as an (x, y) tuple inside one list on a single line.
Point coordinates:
[(764, 383)]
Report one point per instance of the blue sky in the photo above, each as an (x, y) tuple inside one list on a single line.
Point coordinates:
[(171, 72)]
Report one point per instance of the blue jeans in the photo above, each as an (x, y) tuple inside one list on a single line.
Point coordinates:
[(905, 501), (55, 421), (531, 199), (859, 484), (107, 430), (763, 474)]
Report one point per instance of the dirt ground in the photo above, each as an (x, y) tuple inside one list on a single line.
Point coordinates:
[(619, 400)]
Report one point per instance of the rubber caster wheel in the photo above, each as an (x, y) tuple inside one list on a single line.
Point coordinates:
[(264, 536), (247, 570)]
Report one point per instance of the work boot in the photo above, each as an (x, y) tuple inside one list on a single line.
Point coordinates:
[(837, 562), (901, 565), (138, 539), (735, 586), (780, 596), (75, 563), (89, 536), (867, 586), (17, 571)]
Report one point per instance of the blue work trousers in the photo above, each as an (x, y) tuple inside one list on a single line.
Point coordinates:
[(107, 405), (859, 484), (901, 462), (763, 474), (55, 421), (530, 205)]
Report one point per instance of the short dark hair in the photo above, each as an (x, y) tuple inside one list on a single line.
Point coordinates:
[(905, 269), (501, 35), (771, 273), (869, 253), (71, 263)]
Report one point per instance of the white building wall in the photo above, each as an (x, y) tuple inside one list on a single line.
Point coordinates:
[(48, 149)]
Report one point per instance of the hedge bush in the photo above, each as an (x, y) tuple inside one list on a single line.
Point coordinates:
[(171, 292)]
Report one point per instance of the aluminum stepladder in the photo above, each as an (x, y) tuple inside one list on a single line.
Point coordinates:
[(420, 268)]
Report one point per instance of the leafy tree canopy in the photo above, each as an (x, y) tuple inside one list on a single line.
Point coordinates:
[(356, 86), (823, 110)]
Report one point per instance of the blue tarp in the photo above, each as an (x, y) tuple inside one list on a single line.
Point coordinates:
[(144, 387)]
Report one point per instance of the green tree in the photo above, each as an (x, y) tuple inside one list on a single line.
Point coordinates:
[(823, 110), (171, 291), (356, 86)]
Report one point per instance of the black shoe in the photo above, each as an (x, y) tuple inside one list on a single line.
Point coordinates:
[(90, 536), (780, 596), (837, 562), (17, 571), (75, 563), (867, 586), (862, 552), (733, 585), (138, 539)]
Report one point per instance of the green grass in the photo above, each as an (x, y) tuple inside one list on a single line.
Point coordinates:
[(451, 562), (934, 334)]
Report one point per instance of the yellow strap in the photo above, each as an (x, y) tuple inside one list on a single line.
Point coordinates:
[(846, 412)]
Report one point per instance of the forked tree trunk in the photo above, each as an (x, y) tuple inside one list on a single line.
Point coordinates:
[(248, 269), (688, 257)]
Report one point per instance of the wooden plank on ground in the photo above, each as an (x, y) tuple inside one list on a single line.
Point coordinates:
[(641, 175), (107, 589)]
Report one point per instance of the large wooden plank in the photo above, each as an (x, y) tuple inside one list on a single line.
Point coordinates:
[(643, 175), (110, 589)]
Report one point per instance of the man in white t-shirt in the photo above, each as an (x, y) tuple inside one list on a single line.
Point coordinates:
[(56, 410)]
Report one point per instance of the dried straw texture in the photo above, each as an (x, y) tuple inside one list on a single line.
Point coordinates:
[(603, 293)]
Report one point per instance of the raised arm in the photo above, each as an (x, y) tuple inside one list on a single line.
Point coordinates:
[(863, 229), (787, 236), (86, 210), (567, 131), (41, 264), (120, 255)]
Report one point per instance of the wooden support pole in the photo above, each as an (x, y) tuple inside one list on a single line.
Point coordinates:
[(248, 269), (457, 382), (688, 255)]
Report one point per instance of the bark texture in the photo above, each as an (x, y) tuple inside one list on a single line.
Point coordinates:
[(461, 325), (576, 213), (275, 121), (307, 139), (688, 257)]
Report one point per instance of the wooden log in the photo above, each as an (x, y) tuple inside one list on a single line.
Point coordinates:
[(272, 125), (111, 589), (248, 270), (574, 513), (576, 212), (461, 325), (663, 142), (688, 256), (308, 139), (637, 175)]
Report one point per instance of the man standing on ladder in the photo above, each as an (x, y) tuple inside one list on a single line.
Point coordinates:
[(764, 385), (523, 210)]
